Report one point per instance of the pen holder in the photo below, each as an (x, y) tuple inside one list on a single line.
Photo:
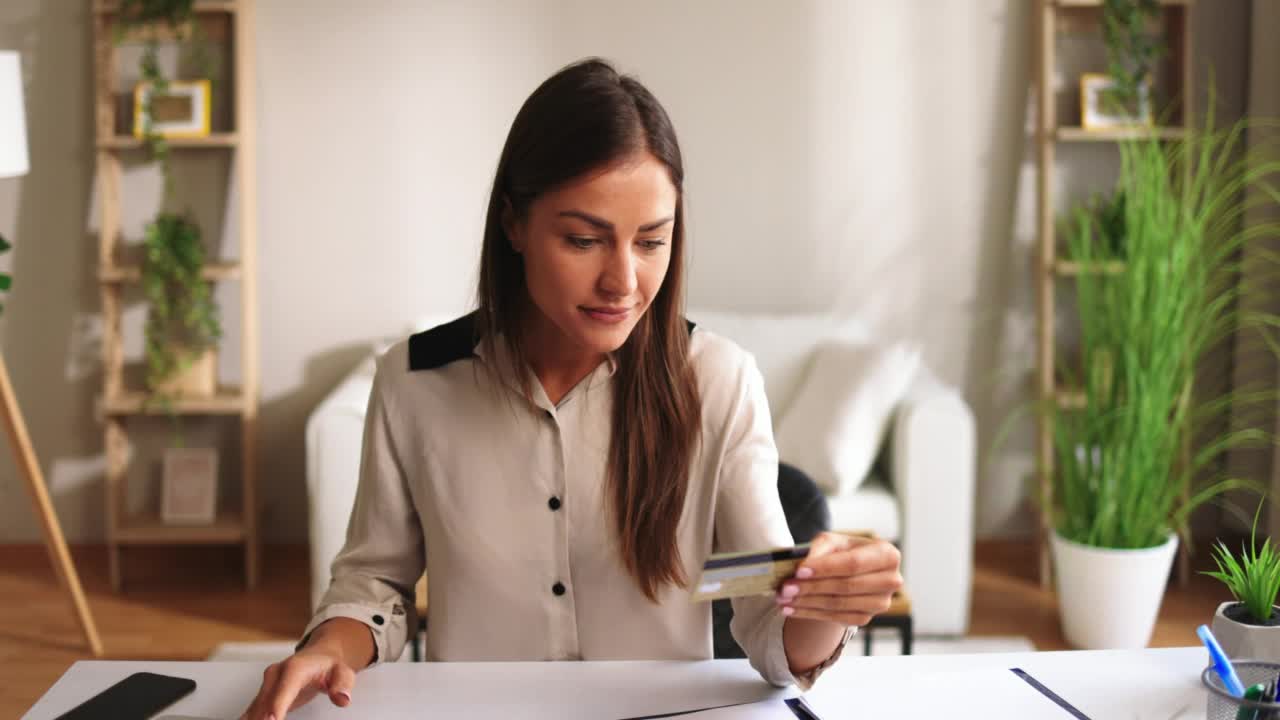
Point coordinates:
[(1225, 706)]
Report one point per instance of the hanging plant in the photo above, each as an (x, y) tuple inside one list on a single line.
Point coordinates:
[(5, 279), (175, 14), (1132, 51), (182, 317)]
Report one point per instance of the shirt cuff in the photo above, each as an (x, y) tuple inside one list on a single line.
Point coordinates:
[(806, 680), (390, 625)]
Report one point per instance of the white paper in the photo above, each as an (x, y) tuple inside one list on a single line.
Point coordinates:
[(988, 693)]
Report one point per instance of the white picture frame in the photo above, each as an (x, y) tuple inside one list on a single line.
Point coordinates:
[(1092, 115), (189, 486)]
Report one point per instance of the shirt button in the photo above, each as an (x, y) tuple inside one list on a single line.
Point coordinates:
[(558, 588), (554, 503)]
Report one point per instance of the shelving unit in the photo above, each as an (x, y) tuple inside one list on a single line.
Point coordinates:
[(1056, 16), (228, 22)]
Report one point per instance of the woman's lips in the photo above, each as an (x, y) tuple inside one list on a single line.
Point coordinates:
[(607, 315)]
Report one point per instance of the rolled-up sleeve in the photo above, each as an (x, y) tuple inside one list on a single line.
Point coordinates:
[(373, 576), (749, 517)]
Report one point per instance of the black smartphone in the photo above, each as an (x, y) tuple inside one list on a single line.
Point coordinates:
[(137, 697)]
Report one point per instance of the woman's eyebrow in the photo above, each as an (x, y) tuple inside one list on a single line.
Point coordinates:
[(603, 224)]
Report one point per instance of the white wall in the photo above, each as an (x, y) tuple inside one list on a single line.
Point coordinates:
[(868, 156)]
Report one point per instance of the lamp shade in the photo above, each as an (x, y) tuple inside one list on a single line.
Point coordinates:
[(13, 123)]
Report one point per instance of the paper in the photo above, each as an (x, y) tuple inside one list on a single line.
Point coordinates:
[(989, 693)]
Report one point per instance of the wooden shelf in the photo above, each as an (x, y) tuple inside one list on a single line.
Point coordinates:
[(147, 529), (227, 24), (1098, 3), (132, 273), (1071, 22), (214, 140), (1071, 268), (228, 401), (213, 16), (1079, 134), (1070, 399)]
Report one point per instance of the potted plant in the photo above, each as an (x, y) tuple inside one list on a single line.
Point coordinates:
[(1121, 495), (1250, 626), (182, 327)]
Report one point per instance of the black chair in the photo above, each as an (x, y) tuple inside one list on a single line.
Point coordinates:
[(807, 515)]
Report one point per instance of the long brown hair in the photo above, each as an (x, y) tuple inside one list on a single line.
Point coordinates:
[(585, 117)]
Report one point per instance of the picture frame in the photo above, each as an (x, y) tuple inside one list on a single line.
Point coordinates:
[(183, 111), (1094, 117), (189, 486)]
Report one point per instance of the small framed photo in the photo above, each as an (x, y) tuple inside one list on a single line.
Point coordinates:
[(189, 487), (181, 111), (1097, 114)]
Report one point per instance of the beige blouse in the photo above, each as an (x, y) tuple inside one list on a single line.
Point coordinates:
[(503, 504)]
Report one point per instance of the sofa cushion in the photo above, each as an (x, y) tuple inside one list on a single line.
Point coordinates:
[(873, 506), (839, 418), (782, 344)]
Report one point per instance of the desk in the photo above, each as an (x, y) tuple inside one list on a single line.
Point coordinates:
[(1131, 684)]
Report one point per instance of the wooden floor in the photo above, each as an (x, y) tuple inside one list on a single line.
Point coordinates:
[(180, 603)]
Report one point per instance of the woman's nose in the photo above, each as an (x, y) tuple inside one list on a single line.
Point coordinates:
[(619, 277)]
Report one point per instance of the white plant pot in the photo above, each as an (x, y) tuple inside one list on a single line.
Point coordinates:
[(1240, 640), (1109, 599)]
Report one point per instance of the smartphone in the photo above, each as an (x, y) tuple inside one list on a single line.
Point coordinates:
[(137, 697)]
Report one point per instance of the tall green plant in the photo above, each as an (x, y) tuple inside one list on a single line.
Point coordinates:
[(1118, 482)]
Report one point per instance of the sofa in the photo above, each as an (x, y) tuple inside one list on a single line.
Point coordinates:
[(920, 493)]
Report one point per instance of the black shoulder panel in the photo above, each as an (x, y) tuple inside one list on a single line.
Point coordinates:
[(439, 346)]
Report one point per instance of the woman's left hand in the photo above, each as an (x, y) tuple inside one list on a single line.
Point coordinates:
[(844, 579)]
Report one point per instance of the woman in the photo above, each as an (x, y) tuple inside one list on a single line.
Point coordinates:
[(563, 460)]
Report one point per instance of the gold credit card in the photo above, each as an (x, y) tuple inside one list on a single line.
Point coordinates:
[(727, 575)]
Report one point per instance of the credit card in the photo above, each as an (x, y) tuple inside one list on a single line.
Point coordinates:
[(727, 575)]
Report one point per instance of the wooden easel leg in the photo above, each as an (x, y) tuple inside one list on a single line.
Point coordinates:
[(54, 542)]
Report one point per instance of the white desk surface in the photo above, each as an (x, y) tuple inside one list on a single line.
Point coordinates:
[(1131, 684)]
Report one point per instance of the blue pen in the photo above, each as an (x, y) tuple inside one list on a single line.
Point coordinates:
[(1220, 662)]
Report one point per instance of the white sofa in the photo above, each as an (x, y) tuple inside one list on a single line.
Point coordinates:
[(925, 504)]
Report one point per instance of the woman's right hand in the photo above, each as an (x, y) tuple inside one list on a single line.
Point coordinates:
[(294, 681)]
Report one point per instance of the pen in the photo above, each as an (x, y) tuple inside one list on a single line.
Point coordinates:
[(1220, 662), (1253, 694)]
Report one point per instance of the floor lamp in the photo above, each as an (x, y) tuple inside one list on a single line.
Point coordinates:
[(13, 162)]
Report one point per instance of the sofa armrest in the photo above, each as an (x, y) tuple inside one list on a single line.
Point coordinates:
[(334, 434), (932, 466)]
